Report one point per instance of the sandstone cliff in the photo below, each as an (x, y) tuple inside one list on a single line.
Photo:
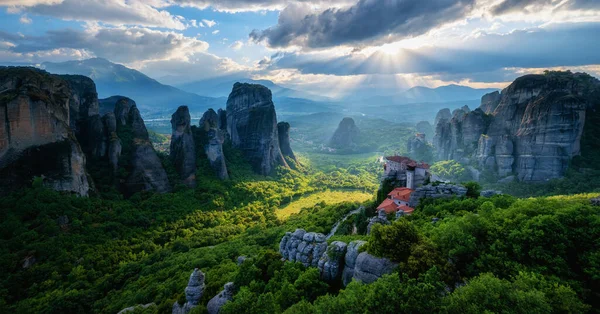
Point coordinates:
[(213, 131), (283, 129), (252, 126), (145, 171), (533, 132), (183, 149), (346, 135), (35, 138)]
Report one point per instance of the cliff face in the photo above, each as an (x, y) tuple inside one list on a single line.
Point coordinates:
[(252, 126), (346, 134), (35, 138), (183, 149), (145, 169), (211, 125), (283, 129), (533, 132)]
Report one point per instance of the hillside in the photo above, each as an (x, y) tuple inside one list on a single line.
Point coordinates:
[(115, 79)]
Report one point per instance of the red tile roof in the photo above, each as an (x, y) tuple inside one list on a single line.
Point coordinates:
[(409, 162), (402, 194), (388, 206), (407, 210)]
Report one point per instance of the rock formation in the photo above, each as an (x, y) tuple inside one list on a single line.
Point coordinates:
[(489, 102), (252, 126), (381, 218), (283, 129), (214, 305), (211, 124), (193, 293), (533, 129), (346, 135), (436, 191), (83, 103), (369, 268), (352, 252), (443, 114), (303, 247), (331, 264), (127, 137), (139, 307), (35, 138), (337, 261), (183, 149), (426, 128)]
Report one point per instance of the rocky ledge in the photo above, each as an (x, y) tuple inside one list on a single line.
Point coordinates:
[(336, 261)]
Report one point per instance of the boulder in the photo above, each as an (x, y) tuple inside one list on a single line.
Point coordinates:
[(346, 135), (215, 304), (595, 201), (183, 149), (252, 126), (331, 263), (35, 138), (193, 293), (352, 252), (303, 247), (369, 268)]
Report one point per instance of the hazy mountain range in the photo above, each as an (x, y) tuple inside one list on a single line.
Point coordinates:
[(159, 100)]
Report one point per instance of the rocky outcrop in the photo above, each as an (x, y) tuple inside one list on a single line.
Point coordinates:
[(331, 264), (489, 102), (215, 304), (193, 293), (303, 247), (113, 142), (346, 135), (443, 114), (458, 136), (337, 261), (83, 103), (436, 191), (381, 218), (283, 129), (183, 149), (35, 137), (211, 124), (418, 148), (352, 252), (426, 128), (147, 172), (139, 307), (252, 126), (533, 131), (490, 193), (369, 268)]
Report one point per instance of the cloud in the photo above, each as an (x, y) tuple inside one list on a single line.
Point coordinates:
[(531, 6), (27, 3), (114, 12), (25, 20), (256, 5), (365, 23), (209, 23), (476, 57), (237, 45), (117, 44), (216, 31)]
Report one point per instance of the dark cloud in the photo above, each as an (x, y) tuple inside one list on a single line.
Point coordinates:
[(508, 6), (116, 44), (366, 22), (565, 45)]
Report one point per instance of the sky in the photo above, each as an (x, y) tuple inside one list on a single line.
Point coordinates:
[(327, 47)]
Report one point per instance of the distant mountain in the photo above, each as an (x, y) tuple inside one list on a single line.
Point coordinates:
[(150, 95), (221, 87), (421, 94)]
